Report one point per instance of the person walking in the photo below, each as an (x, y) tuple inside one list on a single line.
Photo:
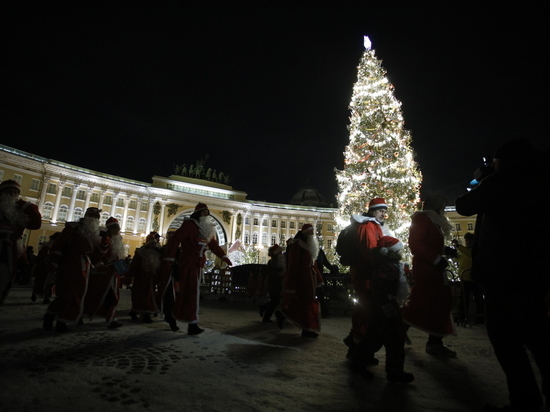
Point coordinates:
[(388, 291), (103, 292), (369, 227), (43, 286), (70, 262), (16, 215), (142, 276), (430, 303), (302, 278), (195, 235), (275, 274)]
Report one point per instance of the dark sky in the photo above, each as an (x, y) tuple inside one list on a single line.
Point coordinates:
[(264, 89)]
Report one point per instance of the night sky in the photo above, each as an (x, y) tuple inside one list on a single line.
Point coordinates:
[(264, 90)]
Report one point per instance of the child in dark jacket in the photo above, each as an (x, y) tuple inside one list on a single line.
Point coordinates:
[(389, 290)]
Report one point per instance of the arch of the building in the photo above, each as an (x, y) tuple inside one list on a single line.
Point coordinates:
[(221, 234)]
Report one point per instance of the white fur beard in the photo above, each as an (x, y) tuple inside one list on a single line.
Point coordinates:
[(313, 247), (10, 211), (117, 246), (207, 229), (89, 229), (150, 259)]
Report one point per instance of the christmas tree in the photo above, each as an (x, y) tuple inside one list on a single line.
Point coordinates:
[(378, 161)]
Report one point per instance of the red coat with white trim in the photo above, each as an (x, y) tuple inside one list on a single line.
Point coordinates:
[(301, 280), (430, 302), (190, 263)]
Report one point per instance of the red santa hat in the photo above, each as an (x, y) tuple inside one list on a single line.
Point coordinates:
[(274, 250), (200, 206), (389, 244), (10, 184), (377, 203), (306, 228), (111, 221)]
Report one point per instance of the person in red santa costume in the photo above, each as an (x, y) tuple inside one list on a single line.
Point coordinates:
[(302, 278), (16, 215), (103, 292), (370, 229), (71, 260), (143, 275), (430, 304), (194, 236)]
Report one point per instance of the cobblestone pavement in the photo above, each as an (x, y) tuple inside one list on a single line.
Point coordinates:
[(237, 364)]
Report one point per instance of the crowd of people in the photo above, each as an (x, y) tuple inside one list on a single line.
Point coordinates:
[(83, 267)]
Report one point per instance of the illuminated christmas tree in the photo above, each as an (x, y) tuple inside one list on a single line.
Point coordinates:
[(378, 161)]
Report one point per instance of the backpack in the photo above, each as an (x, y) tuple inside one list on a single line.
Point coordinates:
[(347, 245)]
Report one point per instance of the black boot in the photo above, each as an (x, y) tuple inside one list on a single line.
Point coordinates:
[(361, 369), (61, 327), (146, 319), (193, 329), (400, 377), (280, 319), (309, 334), (172, 322)]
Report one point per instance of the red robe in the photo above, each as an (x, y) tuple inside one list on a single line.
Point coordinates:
[(143, 275), (10, 233), (71, 252), (300, 304), (430, 302), (190, 264), (103, 292)]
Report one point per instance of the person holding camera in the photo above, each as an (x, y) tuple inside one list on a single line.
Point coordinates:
[(516, 285)]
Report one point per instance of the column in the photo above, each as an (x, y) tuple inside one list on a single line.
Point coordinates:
[(57, 201), (73, 200)]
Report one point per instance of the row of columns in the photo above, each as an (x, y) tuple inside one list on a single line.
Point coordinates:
[(150, 218)]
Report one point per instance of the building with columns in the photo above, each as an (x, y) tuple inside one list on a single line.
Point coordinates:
[(63, 192)]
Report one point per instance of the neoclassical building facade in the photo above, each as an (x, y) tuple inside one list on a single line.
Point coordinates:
[(63, 192)]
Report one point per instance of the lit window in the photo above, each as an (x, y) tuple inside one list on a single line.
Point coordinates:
[(141, 225), (62, 214), (77, 214), (67, 191), (52, 189), (47, 210), (130, 223), (35, 184)]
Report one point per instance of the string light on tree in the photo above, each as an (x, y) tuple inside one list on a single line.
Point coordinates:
[(378, 160)]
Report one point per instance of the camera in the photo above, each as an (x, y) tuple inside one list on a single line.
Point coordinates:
[(484, 170)]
